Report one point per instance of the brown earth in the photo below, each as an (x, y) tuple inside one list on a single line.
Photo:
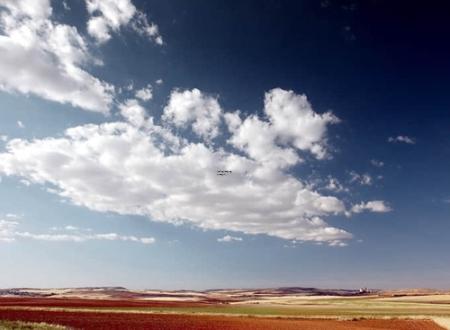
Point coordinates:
[(95, 303), (92, 320)]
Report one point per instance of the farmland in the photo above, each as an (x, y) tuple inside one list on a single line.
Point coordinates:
[(94, 320), (121, 309)]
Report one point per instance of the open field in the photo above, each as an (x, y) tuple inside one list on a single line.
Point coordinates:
[(229, 309), (93, 320)]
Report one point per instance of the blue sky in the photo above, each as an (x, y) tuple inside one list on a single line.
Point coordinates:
[(332, 117)]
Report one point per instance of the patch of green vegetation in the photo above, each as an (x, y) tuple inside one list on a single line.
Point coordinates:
[(314, 310), (19, 325), (367, 307)]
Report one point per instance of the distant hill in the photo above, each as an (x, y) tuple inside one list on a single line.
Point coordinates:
[(184, 295)]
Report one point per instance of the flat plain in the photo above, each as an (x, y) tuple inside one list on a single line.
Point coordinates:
[(288, 308)]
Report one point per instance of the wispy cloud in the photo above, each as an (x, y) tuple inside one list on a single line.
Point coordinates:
[(9, 232), (402, 139), (376, 163), (363, 179), (228, 239), (333, 184)]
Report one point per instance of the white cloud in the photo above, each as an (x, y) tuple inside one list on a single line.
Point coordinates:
[(228, 238), (159, 82), (140, 168), (377, 163), (20, 124), (294, 121), (145, 94), (196, 108), (401, 139), (362, 179), (133, 112), (3, 138), (9, 232), (333, 184), (292, 126), (338, 243), (372, 206), (12, 216), (108, 16), (41, 57)]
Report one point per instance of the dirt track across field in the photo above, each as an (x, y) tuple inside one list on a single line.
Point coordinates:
[(92, 320)]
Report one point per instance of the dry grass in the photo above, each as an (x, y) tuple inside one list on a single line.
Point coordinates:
[(19, 325), (443, 322)]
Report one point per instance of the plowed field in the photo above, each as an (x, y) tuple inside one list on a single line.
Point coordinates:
[(93, 320)]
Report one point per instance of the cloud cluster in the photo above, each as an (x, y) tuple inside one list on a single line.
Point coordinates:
[(9, 232), (108, 16), (192, 107), (372, 206), (291, 126), (41, 57), (49, 59), (138, 167), (145, 94)]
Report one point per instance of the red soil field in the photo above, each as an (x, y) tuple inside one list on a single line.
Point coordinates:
[(97, 303), (92, 320)]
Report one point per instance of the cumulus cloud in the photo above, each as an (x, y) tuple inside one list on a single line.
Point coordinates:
[(373, 206), (292, 126), (138, 167), (228, 239), (195, 108), (9, 232), (41, 57), (107, 16), (133, 112), (145, 94), (401, 139)]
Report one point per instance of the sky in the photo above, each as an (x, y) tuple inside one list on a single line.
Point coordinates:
[(210, 144)]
